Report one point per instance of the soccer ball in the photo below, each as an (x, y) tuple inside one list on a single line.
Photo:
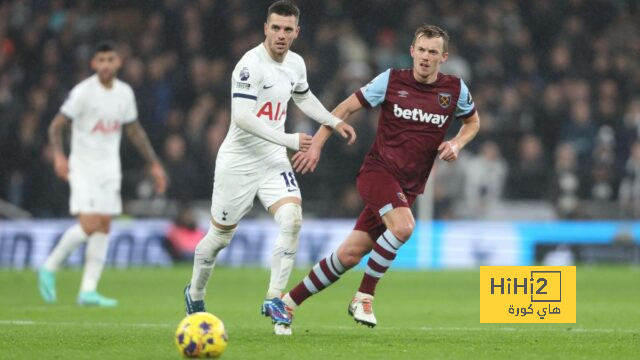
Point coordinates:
[(201, 335)]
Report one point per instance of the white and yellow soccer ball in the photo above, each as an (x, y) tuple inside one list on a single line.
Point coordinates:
[(201, 335)]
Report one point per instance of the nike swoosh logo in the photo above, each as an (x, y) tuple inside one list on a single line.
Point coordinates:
[(289, 253), (292, 190), (267, 87)]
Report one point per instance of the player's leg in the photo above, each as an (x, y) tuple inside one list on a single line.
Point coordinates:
[(95, 258), (400, 224), (80, 201), (383, 194), (280, 195), (98, 201), (287, 213), (71, 239), (216, 239), (232, 198), (329, 270)]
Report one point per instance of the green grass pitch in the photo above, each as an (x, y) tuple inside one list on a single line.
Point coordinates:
[(421, 315)]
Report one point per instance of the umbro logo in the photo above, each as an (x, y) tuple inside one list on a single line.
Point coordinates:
[(403, 93)]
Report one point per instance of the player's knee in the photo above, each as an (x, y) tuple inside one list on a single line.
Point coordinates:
[(402, 231), (349, 256), (105, 224), (215, 240), (91, 224), (289, 218)]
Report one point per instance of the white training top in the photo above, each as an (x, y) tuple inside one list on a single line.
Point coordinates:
[(271, 84), (97, 115)]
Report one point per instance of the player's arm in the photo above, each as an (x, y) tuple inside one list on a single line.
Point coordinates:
[(305, 162), (449, 149), (244, 118), (465, 110), (56, 130), (138, 137), (313, 108), (369, 96)]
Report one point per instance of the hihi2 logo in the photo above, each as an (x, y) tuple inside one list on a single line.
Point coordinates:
[(527, 294)]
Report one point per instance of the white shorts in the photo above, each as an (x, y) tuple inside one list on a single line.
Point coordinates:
[(233, 194), (91, 194)]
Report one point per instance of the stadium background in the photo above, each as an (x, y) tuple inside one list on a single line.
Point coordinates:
[(556, 85), (552, 178)]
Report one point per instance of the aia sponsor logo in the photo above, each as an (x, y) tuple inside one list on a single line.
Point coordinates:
[(419, 115), (275, 113), (106, 127)]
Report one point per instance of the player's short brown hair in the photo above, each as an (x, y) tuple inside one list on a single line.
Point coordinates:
[(432, 31), (284, 8)]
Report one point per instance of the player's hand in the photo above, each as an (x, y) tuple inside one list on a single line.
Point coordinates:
[(61, 165), (159, 177), (346, 131), (448, 151), (303, 162), (305, 142)]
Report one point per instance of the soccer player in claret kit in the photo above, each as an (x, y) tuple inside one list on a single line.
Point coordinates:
[(252, 160), (417, 107), (99, 108)]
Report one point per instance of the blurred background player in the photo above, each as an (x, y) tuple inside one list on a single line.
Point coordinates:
[(417, 107), (252, 160), (99, 107)]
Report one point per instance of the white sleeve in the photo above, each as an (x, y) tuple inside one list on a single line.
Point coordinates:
[(72, 106), (246, 79), (302, 86), (244, 118), (313, 108), (131, 112)]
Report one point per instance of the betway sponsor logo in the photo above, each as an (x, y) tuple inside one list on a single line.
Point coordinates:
[(419, 115)]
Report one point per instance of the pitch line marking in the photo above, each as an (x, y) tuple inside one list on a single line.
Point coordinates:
[(21, 322)]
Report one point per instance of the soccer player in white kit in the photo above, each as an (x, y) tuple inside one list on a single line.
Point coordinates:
[(252, 160), (99, 108)]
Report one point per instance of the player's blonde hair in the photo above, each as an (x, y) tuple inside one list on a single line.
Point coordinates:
[(432, 31)]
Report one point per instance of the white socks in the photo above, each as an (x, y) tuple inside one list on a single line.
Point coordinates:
[(289, 219), (95, 257), (205, 259), (71, 238), (95, 254)]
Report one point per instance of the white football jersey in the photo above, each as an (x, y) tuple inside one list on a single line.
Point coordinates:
[(97, 115), (258, 77)]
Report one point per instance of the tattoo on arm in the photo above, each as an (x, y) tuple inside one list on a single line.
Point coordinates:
[(56, 129), (139, 138)]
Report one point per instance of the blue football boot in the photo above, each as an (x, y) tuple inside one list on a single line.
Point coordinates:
[(192, 306), (275, 308)]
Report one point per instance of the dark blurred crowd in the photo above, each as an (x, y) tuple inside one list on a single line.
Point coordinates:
[(556, 83)]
